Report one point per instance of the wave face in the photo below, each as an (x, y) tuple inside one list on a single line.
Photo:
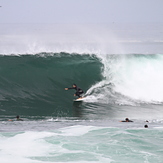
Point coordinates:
[(34, 84)]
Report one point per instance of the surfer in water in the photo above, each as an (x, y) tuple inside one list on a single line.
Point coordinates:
[(17, 118), (126, 120), (79, 91)]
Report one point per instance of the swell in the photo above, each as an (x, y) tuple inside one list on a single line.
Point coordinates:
[(34, 84)]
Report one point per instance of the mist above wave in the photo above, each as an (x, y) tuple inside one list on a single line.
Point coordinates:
[(81, 38)]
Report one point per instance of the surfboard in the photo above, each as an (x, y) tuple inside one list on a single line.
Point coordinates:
[(79, 99)]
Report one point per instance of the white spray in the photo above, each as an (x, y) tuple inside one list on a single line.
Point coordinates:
[(130, 79)]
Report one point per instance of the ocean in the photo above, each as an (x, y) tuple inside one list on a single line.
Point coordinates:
[(121, 79)]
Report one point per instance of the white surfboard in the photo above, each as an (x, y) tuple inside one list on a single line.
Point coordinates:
[(79, 99)]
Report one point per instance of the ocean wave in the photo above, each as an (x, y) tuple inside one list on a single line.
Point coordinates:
[(34, 84)]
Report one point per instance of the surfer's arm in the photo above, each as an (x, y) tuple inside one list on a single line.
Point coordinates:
[(69, 88)]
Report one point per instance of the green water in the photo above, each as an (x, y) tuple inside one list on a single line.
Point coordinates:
[(34, 84)]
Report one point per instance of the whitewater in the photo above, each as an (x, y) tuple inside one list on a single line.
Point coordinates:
[(121, 73)]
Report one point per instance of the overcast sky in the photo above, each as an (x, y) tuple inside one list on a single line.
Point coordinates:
[(81, 11)]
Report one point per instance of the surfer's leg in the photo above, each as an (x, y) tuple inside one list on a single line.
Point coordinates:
[(78, 94)]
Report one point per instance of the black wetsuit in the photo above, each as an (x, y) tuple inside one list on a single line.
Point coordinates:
[(79, 91)]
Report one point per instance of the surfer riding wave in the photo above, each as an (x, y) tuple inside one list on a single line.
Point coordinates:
[(79, 91)]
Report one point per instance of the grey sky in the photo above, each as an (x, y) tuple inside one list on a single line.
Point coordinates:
[(81, 11)]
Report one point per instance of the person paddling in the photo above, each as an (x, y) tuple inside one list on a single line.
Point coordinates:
[(126, 120)]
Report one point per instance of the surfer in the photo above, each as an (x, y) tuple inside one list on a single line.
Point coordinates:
[(79, 91), (126, 120), (17, 118)]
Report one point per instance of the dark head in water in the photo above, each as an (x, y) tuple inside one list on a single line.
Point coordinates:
[(126, 120), (18, 118), (145, 126)]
